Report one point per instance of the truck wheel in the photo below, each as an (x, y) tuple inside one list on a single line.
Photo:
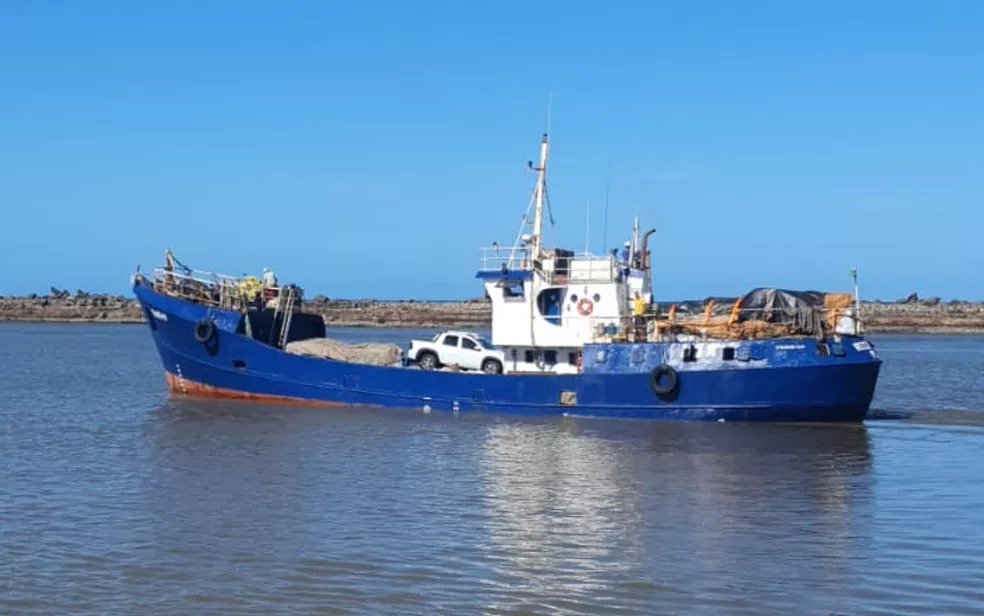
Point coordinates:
[(427, 360), (492, 366)]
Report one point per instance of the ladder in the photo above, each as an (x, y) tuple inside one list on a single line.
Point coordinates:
[(285, 307)]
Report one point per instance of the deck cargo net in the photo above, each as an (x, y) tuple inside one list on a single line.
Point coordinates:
[(760, 313)]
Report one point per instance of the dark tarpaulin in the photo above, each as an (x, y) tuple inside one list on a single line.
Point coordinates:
[(801, 309)]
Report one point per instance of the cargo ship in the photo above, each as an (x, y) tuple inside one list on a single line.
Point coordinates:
[(573, 334)]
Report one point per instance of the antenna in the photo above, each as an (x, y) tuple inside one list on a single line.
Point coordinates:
[(604, 232), (539, 193), (857, 303), (537, 239), (549, 108), (587, 226)]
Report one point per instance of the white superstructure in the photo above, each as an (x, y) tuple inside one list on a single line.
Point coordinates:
[(546, 303)]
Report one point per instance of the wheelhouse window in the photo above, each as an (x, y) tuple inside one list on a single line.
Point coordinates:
[(550, 303), (513, 291)]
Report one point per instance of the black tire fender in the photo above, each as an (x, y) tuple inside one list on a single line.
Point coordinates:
[(204, 330), (663, 380)]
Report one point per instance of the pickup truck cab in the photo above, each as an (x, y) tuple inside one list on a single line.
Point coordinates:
[(453, 348)]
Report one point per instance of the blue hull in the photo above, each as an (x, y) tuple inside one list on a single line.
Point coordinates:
[(768, 380)]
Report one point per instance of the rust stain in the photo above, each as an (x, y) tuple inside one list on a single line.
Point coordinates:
[(185, 387)]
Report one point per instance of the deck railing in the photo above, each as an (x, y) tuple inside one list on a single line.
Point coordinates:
[(579, 268), (212, 288), (497, 258), (737, 323)]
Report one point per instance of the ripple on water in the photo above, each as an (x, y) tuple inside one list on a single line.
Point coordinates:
[(114, 500)]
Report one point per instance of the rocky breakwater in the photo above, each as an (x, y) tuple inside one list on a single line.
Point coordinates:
[(405, 313), (82, 307), (908, 315), (931, 315), (66, 307)]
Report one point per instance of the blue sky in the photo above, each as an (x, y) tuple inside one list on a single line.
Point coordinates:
[(368, 149)]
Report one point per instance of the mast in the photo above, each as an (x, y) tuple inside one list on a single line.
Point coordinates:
[(587, 227), (541, 179)]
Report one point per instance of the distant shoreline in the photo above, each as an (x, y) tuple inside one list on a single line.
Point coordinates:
[(878, 329), (909, 316), (888, 329)]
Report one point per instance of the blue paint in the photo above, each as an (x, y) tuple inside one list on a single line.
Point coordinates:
[(781, 380), (506, 274)]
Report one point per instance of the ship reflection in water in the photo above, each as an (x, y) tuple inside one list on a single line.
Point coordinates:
[(620, 514), (115, 499), (403, 512)]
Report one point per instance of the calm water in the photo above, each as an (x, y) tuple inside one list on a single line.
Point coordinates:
[(115, 500)]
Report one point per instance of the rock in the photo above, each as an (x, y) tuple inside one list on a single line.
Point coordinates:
[(930, 315), (59, 305)]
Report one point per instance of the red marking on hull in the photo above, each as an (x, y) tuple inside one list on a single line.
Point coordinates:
[(186, 387)]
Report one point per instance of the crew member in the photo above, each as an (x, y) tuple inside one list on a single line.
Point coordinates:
[(626, 254), (249, 289), (638, 310)]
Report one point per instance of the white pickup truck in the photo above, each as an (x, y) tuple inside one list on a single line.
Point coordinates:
[(454, 348)]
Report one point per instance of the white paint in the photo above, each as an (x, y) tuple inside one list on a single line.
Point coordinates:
[(847, 324), (516, 360), (157, 314), (518, 325)]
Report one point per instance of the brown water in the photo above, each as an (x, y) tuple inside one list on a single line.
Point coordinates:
[(116, 500)]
